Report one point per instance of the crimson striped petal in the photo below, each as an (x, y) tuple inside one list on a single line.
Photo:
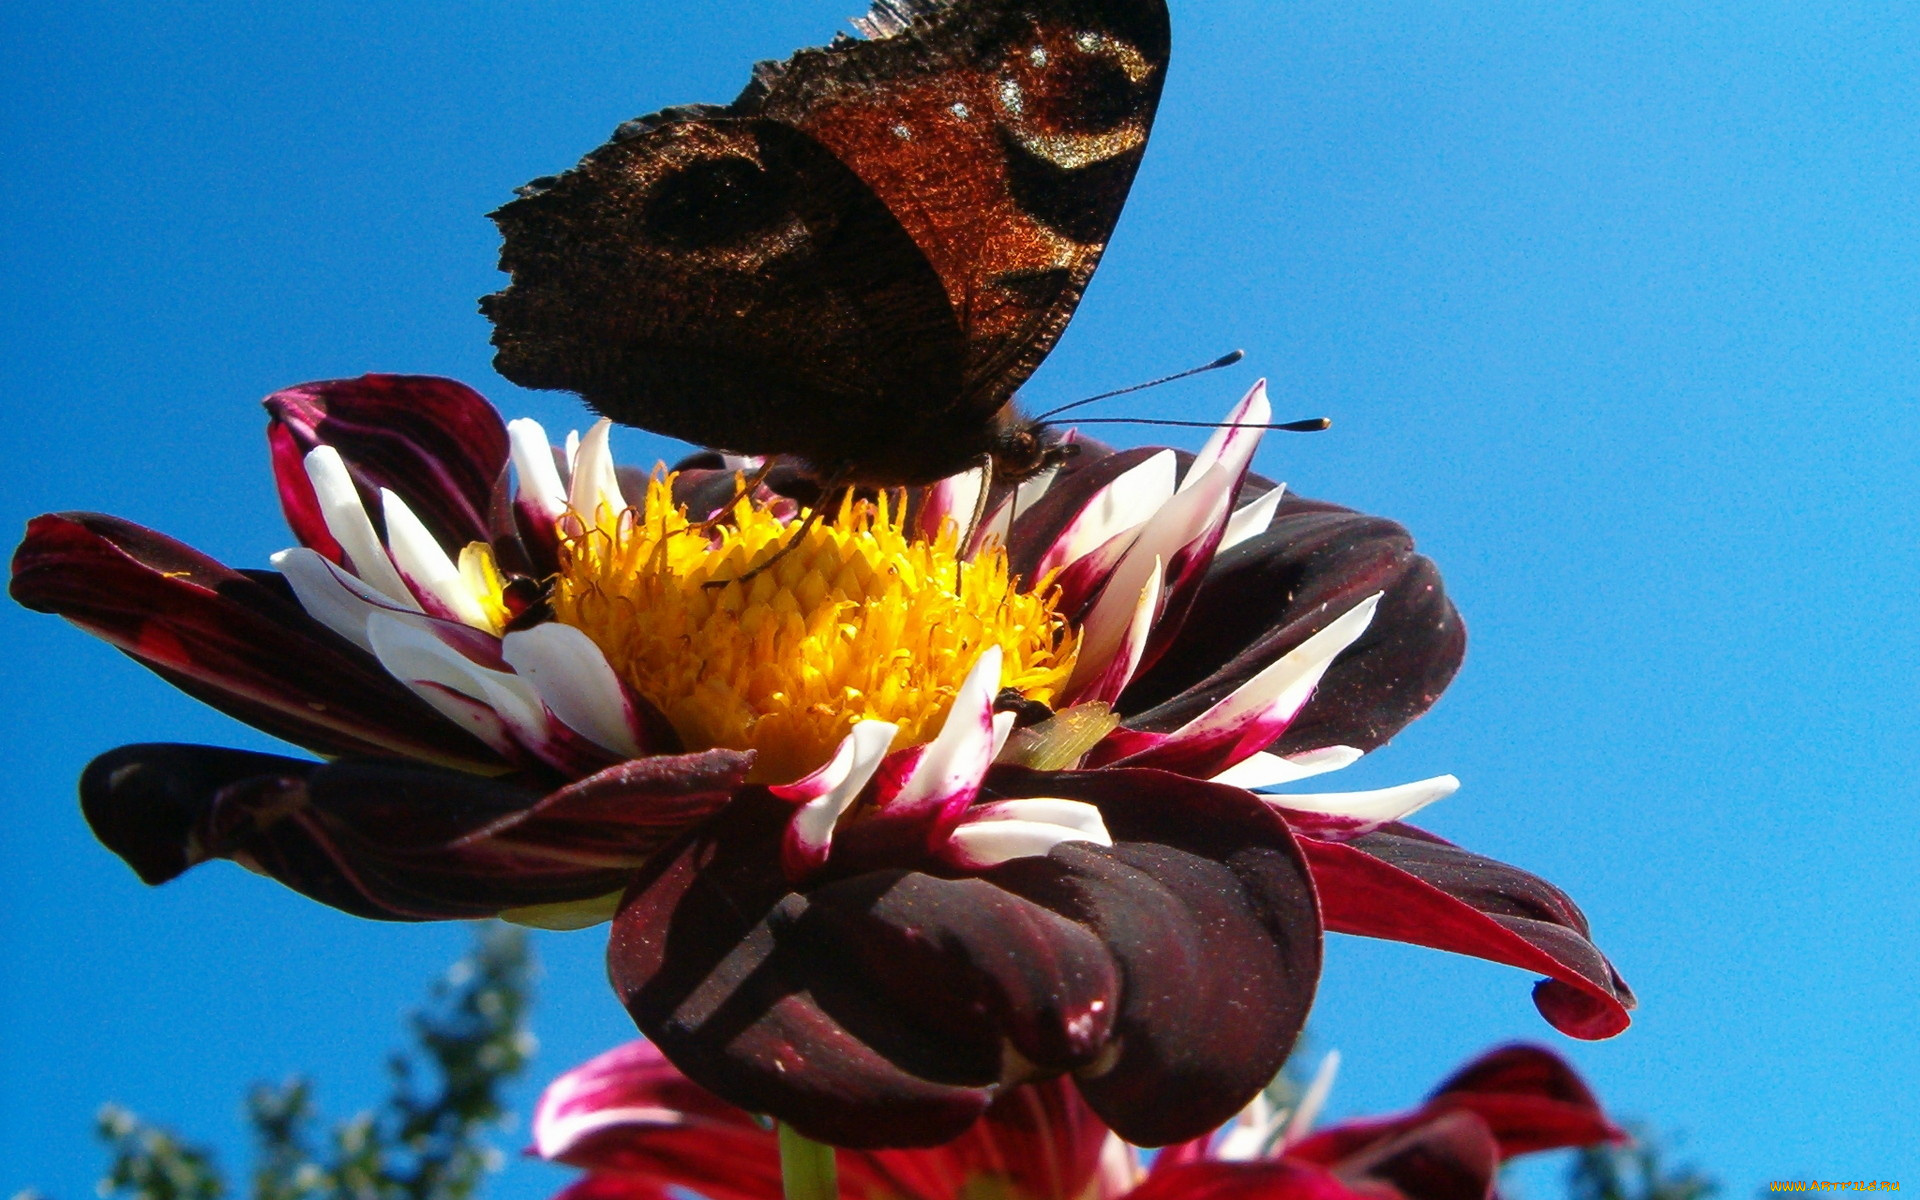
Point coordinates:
[(644, 1129), (435, 443), (231, 639), (1276, 1180), (396, 840), (630, 1115), (1406, 885), (1450, 1156)]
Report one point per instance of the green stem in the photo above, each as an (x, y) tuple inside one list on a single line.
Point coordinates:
[(806, 1167)]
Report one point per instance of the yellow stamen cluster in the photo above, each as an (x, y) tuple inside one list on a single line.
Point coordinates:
[(858, 621)]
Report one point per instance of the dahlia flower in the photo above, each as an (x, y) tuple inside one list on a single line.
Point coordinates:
[(643, 1131), (891, 825)]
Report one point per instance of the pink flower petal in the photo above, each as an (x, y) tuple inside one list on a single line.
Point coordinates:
[(947, 776), (826, 795)]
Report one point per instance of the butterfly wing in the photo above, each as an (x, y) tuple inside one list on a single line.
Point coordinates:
[(861, 258), (1003, 136), (725, 280)]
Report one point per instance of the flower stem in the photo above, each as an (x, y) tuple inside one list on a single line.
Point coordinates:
[(806, 1167)]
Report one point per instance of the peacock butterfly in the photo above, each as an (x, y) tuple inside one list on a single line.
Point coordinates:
[(860, 259)]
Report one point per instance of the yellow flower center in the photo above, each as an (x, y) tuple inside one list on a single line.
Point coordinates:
[(859, 621)]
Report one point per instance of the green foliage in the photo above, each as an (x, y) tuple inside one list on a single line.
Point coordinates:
[(152, 1164), (1636, 1172), (427, 1142)]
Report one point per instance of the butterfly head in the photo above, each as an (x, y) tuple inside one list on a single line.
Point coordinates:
[(1021, 448)]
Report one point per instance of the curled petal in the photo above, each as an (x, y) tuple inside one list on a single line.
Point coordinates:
[(1451, 1157), (1216, 474), (393, 840), (1272, 592), (541, 492), (449, 667), (1233, 443), (436, 443), (1406, 885), (298, 499), (1176, 525), (1342, 816), (956, 498), (1104, 683), (1260, 769), (1530, 1098), (629, 1111), (708, 958), (595, 490), (995, 833), (1202, 904), (228, 639), (333, 595)]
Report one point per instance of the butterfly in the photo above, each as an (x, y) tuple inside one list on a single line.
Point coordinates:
[(858, 261)]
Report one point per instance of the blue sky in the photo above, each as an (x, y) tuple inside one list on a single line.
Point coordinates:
[(1615, 305)]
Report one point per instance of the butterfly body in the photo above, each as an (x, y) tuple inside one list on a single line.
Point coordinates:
[(860, 260)]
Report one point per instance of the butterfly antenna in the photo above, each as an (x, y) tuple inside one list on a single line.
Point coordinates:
[(1311, 425), (1225, 360)]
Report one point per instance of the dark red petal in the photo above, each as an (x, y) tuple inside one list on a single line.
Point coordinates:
[(298, 500), (1409, 886), (1204, 901), (380, 838), (1531, 1099), (1528, 1098), (1278, 1179), (436, 443), (1451, 1157), (1266, 595), (627, 812), (698, 957), (239, 645), (972, 963), (878, 1007)]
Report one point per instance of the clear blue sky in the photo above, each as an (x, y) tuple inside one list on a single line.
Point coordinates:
[(1614, 304)]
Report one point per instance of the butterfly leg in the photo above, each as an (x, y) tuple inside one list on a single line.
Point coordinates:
[(747, 489), (830, 497)]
